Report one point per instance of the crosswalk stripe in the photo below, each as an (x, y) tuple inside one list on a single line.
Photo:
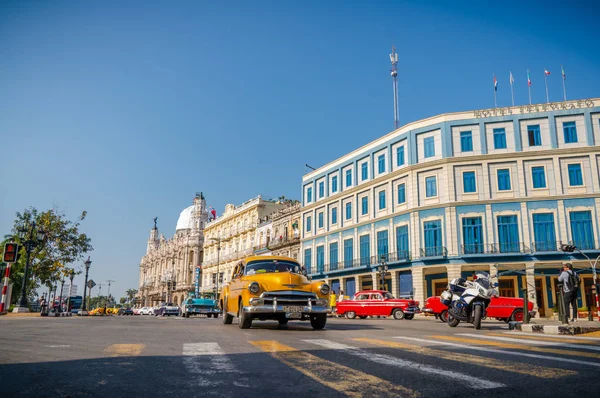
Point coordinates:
[(549, 337), (578, 343), (124, 350), (534, 342), (487, 349), (519, 347), (345, 380), (508, 366), (388, 360), (209, 359)]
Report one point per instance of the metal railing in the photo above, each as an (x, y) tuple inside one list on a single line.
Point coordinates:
[(285, 241), (513, 247), (545, 246), (584, 245), (434, 251)]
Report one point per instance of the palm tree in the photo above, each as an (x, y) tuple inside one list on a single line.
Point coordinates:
[(131, 294)]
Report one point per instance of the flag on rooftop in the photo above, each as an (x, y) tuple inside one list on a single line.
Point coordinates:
[(546, 72), (495, 84)]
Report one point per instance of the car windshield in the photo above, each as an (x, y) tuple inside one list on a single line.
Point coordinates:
[(388, 295), (262, 267)]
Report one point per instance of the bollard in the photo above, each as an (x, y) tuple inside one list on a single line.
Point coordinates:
[(562, 311), (525, 306)]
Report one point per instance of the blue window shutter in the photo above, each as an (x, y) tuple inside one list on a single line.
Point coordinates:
[(401, 193), (543, 232), (582, 232), (538, 176), (348, 178), (381, 164), (570, 132), (382, 244), (348, 252), (320, 259), (469, 184), (430, 187), (308, 260), (364, 206), (499, 138), (381, 200), (508, 234), (348, 211), (334, 215), (504, 180), (308, 222), (472, 235), (365, 250), (320, 220), (429, 147), (575, 177), (400, 156), (333, 256), (364, 171), (309, 194), (534, 135), (402, 242), (466, 141), (433, 238), (321, 189), (334, 184)]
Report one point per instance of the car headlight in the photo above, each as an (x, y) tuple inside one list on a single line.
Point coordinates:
[(324, 289), (254, 288)]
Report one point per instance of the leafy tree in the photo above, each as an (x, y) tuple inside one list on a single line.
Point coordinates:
[(122, 300), (131, 294), (63, 244)]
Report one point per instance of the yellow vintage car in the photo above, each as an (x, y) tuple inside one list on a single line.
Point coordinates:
[(273, 287)]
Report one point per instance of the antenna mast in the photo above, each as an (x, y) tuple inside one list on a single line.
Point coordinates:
[(394, 73), (109, 282)]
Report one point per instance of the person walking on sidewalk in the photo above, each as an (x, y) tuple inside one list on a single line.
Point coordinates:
[(570, 289), (332, 302)]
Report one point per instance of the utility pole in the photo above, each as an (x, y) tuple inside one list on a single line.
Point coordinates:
[(109, 282)]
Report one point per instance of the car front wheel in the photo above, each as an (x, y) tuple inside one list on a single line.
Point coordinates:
[(350, 314), (227, 319), (398, 314), (245, 318), (318, 321)]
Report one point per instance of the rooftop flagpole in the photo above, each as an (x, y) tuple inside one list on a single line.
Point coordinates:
[(564, 77), (512, 92), (495, 89), (546, 73), (529, 85)]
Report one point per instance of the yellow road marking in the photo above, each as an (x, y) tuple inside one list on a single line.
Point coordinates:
[(342, 379), (590, 334), (542, 337), (508, 366), (519, 347), (124, 350)]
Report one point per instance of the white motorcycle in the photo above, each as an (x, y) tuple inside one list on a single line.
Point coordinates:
[(468, 300)]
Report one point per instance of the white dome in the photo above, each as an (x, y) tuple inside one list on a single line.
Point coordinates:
[(185, 219)]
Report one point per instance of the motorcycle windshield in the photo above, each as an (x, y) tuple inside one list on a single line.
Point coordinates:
[(484, 283)]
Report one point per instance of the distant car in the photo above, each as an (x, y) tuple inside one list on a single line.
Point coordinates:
[(168, 309), (502, 308), (146, 311), (136, 311), (200, 306), (125, 311), (377, 303)]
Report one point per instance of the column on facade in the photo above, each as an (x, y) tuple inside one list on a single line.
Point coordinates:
[(415, 228), (418, 284), (562, 221), (489, 217), (531, 292), (375, 276), (454, 271), (395, 289), (451, 239), (525, 222)]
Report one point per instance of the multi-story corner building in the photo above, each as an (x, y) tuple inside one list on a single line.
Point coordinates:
[(286, 224), (167, 270), (278, 233), (436, 199), (234, 234)]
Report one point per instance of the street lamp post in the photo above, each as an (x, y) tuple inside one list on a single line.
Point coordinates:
[(593, 264), (383, 268), (87, 263), (34, 239), (62, 284), (71, 276)]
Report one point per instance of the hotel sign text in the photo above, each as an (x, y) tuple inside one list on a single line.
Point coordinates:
[(552, 106)]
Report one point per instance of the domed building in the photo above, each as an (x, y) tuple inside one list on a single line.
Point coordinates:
[(170, 268)]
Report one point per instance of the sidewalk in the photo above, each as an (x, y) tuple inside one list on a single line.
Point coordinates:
[(552, 326)]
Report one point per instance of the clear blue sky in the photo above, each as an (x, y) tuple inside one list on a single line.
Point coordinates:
[(127, 110)]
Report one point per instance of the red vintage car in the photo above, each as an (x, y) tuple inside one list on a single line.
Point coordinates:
[(377, 302), (502, 308)]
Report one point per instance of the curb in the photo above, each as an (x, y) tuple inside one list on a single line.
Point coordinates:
[(568, 330)]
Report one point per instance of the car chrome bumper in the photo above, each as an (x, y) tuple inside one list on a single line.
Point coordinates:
[(427, 310), (412, 310), (279, 309)]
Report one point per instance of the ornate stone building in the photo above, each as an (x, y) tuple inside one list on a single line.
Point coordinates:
[(231, 237), (280, 234), (167, 269)]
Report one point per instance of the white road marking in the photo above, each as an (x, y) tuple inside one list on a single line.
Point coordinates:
[(467, 348), (532, 342), (388, 360), (209, 359), (58, 346), (541, 336)]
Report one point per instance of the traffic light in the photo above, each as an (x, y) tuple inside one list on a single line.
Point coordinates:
[(11, 251)]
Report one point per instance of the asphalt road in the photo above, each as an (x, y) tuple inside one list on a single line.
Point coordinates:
[(149, 356)]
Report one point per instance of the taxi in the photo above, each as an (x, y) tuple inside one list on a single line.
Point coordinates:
[(273, 288), (377, 303)]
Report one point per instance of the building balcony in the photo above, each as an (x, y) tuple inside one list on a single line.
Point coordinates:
[(285, 241), (434, 251)]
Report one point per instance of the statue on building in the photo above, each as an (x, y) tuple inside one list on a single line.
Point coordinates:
[(155, 219)]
